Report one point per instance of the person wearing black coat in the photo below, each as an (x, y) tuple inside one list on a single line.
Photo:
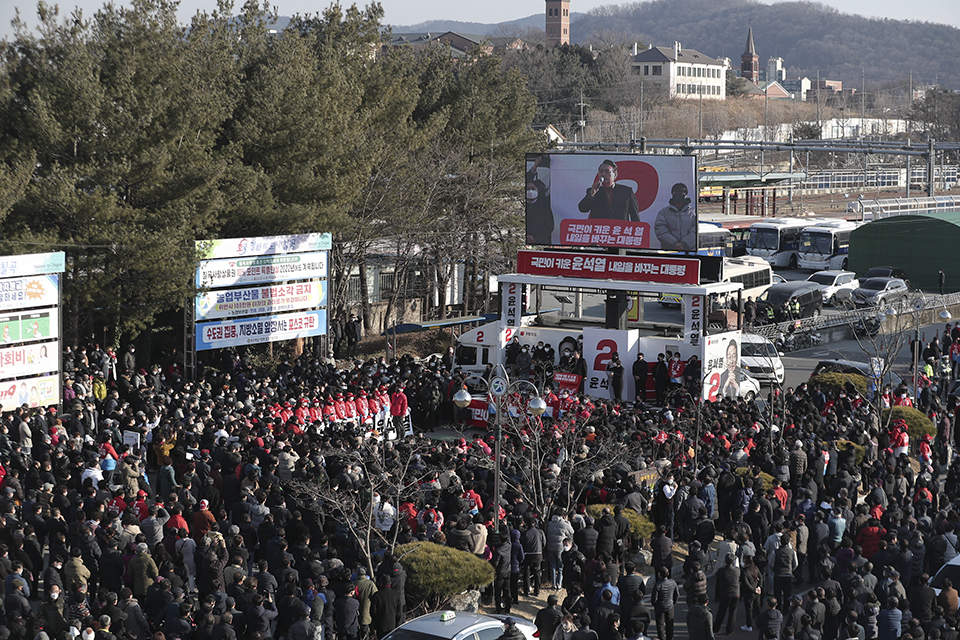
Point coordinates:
[(586, 540), (727, 593), (549, 618), (607, 533), (347, 610), (501, 573), (384, 608)]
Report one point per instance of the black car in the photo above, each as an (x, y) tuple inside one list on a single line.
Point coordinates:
[(848, 367), (886, 272), (781, 298)]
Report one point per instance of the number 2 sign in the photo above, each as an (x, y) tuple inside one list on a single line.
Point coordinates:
[(599, 345)]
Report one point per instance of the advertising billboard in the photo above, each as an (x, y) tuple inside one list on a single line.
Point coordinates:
[(263, 246), (721, 366), (258, 301), (231, 272), (32, 264), (625, 201), (236, 333), (29, 359), (39, 391), (33, 291), (29, 327)]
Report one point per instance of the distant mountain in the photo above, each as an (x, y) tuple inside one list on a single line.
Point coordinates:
[(475, 28), (809, 36)]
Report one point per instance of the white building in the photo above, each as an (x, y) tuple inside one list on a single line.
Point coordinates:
[(686, 73)]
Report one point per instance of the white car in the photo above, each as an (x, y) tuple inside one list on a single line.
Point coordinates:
[(749, 386), (459, 625), (759, 357), (833, 282), (949, 570)]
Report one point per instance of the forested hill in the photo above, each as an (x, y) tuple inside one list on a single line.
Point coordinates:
[(809, 36)]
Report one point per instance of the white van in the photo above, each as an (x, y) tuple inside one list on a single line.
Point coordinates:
[(759, 357)]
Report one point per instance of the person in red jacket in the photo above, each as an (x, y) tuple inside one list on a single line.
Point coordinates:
[(398, 409), (869, 537)]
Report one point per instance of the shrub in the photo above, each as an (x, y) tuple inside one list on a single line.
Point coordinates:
[(860, 451), (835, 382), (918, 425), (640, 526), (436, 572), (765, 478)]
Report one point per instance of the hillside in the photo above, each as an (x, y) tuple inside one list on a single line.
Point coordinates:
[(809, 36)]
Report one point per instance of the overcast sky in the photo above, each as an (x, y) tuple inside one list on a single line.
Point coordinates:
[(407, 12)]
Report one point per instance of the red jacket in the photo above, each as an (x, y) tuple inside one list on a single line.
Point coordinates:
[(398, 404), (869, 539)]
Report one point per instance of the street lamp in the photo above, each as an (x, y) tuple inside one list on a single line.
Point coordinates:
[(499, 385)]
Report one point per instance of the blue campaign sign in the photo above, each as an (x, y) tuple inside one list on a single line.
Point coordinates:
[(236, 333)]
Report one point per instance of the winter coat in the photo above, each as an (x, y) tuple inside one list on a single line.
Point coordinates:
[(517, 554), (700, 622), (664, 595), (607, 537), (558, 530), (144, 572), (728, 582)]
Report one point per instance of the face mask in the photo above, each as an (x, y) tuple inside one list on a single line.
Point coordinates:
[(532, 194), (54, 596)]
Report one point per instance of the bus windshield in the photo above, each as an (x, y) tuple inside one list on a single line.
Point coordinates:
[(813, 242), (764, 239)]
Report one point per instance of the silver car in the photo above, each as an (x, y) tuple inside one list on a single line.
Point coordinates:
[(876, 291), (458, 625)]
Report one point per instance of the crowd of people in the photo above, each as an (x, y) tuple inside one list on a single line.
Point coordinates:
[(154, 505)]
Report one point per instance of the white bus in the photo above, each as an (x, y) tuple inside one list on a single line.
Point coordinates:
[(826, 245), (777, 240), (755, 274)]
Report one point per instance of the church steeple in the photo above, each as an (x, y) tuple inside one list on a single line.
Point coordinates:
[(749, 61), (750, 50)]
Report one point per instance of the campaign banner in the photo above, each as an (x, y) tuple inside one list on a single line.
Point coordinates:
[(263, 246), (612, 200), (694, 319), (511, 311), (721, 366), (32, 264), (236, 333), (608, 267), (479, 412), (39, 391), (565, 381), (599, 345), (29, 327), (255, 270), (34, 291), (29, 359), (258, 301)]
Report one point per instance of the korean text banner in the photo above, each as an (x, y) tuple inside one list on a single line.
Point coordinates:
[(39, 391), (612, 200), (28, 359), (236, 333), (255, 270), (259, 301), (32, 264), (604, 267), (721, 366), (34, 291), (270, 245), (33, 326)]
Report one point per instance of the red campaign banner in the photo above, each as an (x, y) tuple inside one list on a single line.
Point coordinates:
[(605, 233), (478, 413), (609, 267), (566, 381)]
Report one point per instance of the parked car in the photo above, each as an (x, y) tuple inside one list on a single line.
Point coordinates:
[(879, 291), (459, 625), (833, 282), (854, 367), (885, 272), (949, 570), (808, 294), (759, 357)]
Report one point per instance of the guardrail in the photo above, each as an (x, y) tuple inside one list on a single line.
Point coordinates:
[(850, 317)]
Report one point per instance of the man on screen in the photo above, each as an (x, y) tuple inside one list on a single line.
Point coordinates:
[(676, 225), (607, 200)]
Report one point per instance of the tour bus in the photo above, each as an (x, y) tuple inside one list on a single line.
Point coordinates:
[(826, 245), (755, 274), (777, 240)]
